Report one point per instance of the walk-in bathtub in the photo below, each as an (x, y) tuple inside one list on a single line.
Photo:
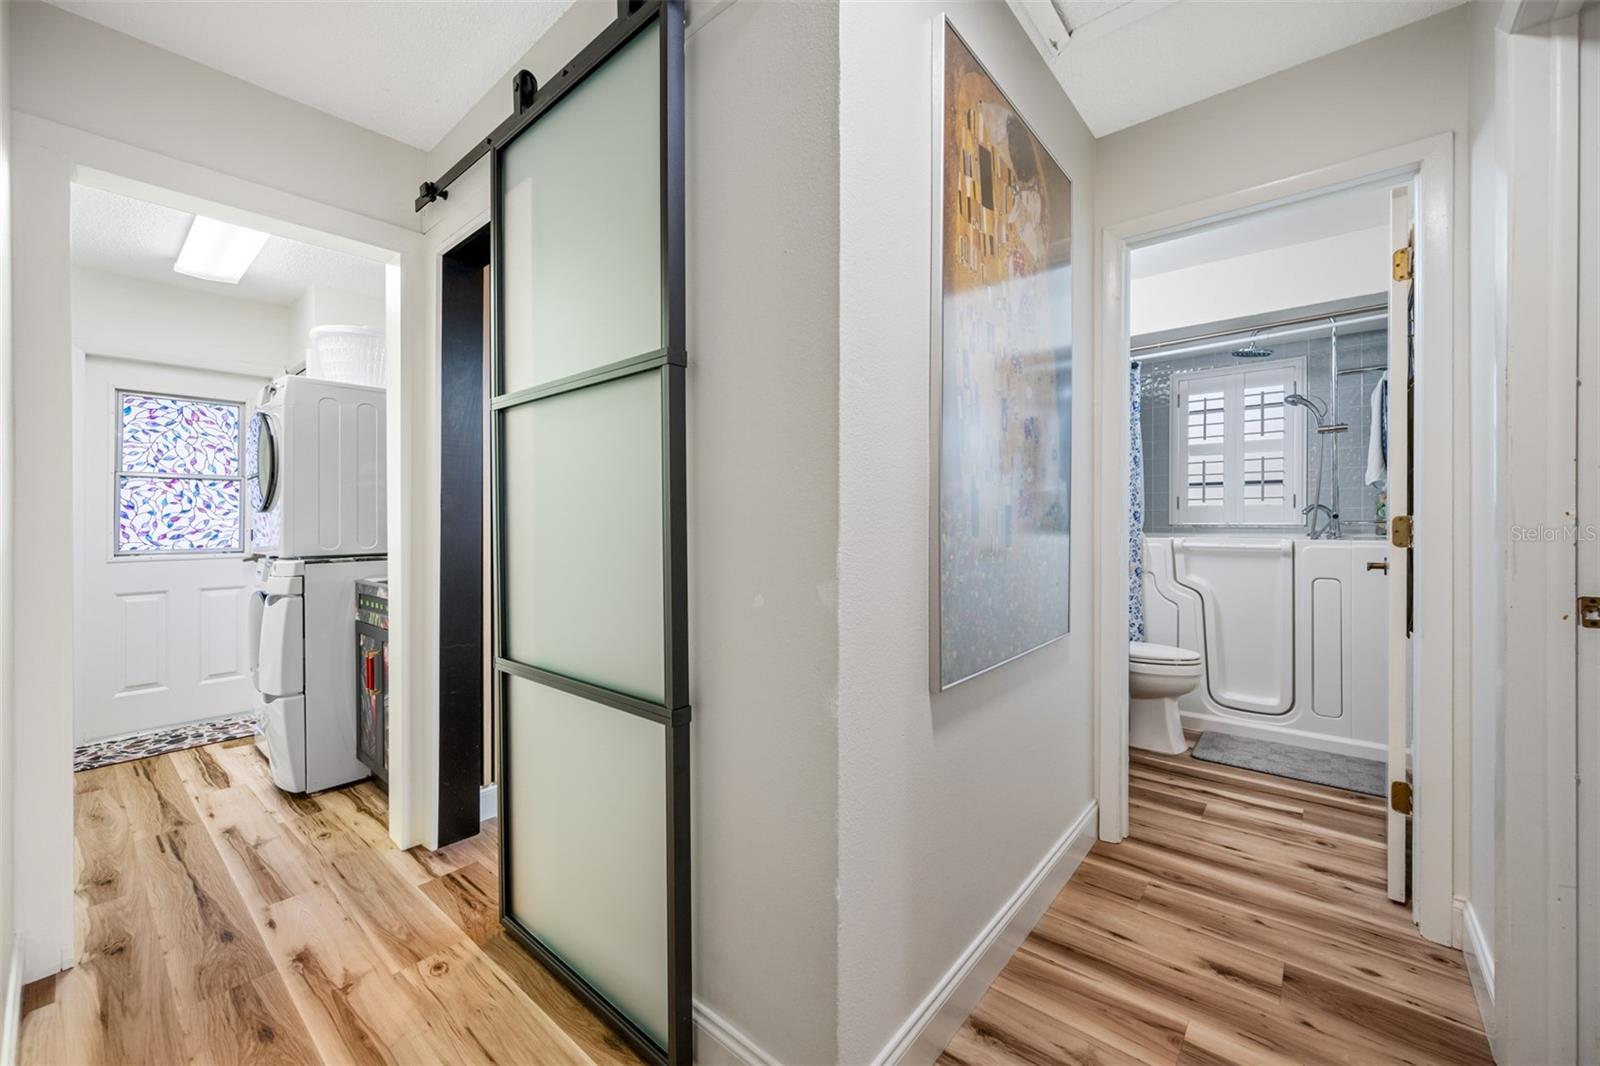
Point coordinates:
[(1292, 633)]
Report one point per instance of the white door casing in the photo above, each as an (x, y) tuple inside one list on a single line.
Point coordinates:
[(1433, 162), (1399, 687), (160, 640)]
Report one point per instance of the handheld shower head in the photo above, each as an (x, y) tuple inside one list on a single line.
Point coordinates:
[(1318, 409)]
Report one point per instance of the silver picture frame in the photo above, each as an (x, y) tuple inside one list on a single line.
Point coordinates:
[(950, 667)]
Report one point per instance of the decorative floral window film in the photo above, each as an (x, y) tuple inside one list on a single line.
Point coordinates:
[(178, 481)]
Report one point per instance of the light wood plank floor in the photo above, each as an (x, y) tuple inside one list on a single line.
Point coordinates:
[(223, 921), (1244, 920)]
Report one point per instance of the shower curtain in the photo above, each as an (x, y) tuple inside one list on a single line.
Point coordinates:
[(1135, 510)]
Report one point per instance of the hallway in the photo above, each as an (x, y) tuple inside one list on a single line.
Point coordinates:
[(1243, 921), (221, 920)]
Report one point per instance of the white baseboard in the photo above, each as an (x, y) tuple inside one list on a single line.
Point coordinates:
[(488, 802), (924, 1035), (11, 1027), (1480, 959), (1480, 968), (718, 1043), (1359, 749)]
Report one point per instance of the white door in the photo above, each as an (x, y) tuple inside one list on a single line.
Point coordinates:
[(1399, 505), (162, 584)]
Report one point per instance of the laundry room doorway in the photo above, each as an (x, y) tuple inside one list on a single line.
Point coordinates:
[(182, 325)]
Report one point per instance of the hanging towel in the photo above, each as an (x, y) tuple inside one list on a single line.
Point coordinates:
[(1378, 441)]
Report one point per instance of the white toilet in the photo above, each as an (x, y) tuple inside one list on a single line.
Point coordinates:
[(1157, 675)]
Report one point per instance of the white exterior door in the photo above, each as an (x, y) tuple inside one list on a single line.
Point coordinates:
[(162, 588)]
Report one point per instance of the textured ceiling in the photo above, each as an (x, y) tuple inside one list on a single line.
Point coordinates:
[(1348, 211), (409, 70), (137, 239), (1127, 62)]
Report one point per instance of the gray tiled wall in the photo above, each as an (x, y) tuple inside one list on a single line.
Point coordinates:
[(1359, 502)]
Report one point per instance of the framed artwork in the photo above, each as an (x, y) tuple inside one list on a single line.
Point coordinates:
[(1001, 555)]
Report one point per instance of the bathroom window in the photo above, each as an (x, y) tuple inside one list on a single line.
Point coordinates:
[(1237, 446), (178, 476)]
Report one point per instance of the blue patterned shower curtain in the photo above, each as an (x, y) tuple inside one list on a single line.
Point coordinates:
[(1135, 510)]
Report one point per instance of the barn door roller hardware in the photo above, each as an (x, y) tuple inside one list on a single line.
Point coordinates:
[(524, 90), (529, 99)]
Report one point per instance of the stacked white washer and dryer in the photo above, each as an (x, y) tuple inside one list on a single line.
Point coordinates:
[(314, 466)]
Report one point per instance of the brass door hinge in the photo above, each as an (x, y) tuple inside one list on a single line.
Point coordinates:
[(1400, 531), (1589, 612), (1400, 797), (1402, 264)]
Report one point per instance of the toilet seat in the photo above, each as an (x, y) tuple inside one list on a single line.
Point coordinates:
[(1161, 654)]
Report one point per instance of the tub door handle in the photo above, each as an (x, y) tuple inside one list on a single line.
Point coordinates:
[(1384, 566)]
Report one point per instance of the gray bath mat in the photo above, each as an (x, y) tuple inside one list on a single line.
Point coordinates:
[(1286, 760)]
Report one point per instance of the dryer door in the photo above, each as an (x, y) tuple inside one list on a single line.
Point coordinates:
[(263, 474)]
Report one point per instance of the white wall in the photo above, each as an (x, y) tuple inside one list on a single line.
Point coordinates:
[(42, 682), (1487, 221), (764, 291), (90, 103), (946, 803), (8, 754), (1322, 113), (1275, 279), (320, 305), (134, 319), (1329, 110), (85, 75)]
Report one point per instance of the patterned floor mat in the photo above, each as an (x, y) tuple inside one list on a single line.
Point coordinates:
[(161, 741)]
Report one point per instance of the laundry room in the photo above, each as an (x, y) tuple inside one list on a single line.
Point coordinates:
[(230, 511)]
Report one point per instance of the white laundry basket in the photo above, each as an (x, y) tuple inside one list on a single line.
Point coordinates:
[(352, 354)]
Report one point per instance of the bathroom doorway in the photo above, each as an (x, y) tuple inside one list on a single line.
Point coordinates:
[(1257, 454)]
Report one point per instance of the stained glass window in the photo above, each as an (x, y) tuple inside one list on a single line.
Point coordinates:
[(178, 475)]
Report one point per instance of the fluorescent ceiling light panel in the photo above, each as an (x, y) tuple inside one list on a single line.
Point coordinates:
[(218, 251)]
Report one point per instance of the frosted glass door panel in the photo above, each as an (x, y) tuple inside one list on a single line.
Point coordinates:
[(581, 218), (581, 559), (585, 798)]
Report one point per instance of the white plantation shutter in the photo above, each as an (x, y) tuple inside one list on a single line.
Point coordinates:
[(1237, 447)]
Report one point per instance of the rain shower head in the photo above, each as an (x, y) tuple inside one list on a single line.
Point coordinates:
[(1251, 350)]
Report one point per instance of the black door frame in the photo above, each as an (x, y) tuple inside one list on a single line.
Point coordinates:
[(463, 426)]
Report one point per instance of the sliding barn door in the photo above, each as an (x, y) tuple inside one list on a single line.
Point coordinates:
[(591, 611)]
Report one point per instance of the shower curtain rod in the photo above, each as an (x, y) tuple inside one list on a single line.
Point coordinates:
[(1184, 343)]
